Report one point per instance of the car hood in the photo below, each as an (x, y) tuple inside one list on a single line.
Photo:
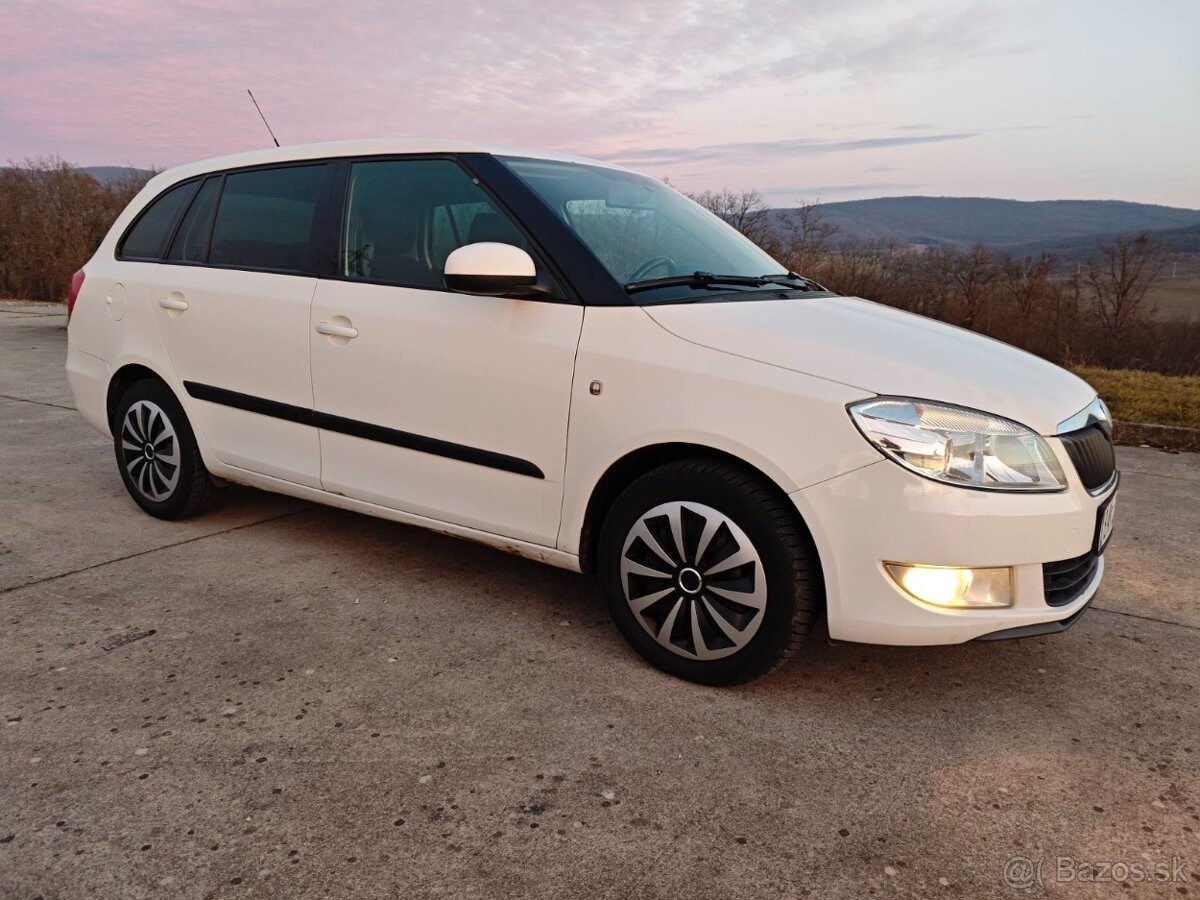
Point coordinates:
[(884, 351)]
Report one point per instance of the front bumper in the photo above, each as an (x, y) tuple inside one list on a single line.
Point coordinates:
[(881, 512), (1039, 629)]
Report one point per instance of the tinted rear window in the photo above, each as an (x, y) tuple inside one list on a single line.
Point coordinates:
[(148, 236), (265, 219)]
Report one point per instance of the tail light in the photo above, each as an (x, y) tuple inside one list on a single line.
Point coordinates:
[(76, 284)]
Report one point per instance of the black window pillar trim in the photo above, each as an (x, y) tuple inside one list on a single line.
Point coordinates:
[(326, 238), (212, 226), (579, 266), (195, 184), (219, 179)]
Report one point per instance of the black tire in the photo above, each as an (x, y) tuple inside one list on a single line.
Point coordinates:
[(149, 481), (790, 567)]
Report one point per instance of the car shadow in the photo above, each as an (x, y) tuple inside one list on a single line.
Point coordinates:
[(921, 678)]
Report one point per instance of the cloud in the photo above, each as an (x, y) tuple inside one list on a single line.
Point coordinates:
[(813, 192), (759, 151), (154, 82)]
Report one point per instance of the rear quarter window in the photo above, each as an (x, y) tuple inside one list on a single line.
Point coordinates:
[(148, 236)]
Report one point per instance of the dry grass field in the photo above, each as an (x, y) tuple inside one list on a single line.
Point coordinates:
[(1151, 409), (1175, 298), (1135, 396)]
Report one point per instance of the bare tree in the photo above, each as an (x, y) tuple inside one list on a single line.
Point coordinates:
[(744, 210), (1119, 282), (878, 270), (1066, 304), (933, 277), (1026, 281), (972, 275), (802, 239)]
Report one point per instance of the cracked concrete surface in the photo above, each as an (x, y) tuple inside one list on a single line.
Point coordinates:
[(281, 700)]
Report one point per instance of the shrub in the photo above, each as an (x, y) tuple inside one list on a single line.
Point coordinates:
[(52, 217)]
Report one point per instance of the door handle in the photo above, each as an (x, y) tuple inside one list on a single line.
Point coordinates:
[(334, 330), (176, 303)]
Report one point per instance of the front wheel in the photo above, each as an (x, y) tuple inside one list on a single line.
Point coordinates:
[(708, 572), (157, 453)]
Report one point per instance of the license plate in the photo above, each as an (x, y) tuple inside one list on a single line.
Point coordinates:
[(1105, 517)]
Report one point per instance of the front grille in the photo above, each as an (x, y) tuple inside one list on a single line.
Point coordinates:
[(1066, 580), (1091, 450)]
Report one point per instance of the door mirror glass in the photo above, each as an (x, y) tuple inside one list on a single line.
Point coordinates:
[(493, 270)]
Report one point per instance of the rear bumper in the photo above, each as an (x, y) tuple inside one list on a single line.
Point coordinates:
[(882, 512), (88, 377)]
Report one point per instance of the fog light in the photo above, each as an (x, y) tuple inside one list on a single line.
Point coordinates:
[(957, 588)]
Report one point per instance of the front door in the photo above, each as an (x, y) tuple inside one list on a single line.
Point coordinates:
[(440, 404)]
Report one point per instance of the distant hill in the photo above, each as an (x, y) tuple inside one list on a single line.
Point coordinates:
[(114, 174), (109, 174), (1000, 224), (1172, 240)]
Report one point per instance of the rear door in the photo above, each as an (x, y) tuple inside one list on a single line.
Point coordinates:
[(232, 303), (440, 404)]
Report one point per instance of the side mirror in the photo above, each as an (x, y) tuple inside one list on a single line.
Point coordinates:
[(493, 270)]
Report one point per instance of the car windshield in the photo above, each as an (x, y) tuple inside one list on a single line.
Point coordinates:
[(644, 231)]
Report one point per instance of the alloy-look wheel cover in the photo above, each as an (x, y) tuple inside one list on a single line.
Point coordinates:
[(150, 450), (693, 580)]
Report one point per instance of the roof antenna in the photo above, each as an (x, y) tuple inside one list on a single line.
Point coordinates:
[(264, 118)]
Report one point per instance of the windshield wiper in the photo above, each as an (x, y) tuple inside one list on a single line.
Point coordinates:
[(696, 279), (790, 278)]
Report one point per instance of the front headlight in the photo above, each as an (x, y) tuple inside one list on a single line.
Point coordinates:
[(959, 446)]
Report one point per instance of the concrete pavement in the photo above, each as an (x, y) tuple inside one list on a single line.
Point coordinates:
[(281, 700)]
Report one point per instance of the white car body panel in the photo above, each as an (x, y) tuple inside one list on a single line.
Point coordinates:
[(885, 351), (659, 389), (483, 372), (258, 324)]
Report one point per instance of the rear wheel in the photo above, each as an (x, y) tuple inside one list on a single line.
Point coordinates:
[(708, 572), (157, 453)]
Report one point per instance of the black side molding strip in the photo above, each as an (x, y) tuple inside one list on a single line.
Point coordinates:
[(364, 430), (249, 403), (423, 444)]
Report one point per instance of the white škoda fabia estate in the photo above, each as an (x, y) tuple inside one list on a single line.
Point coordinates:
[(575, 363)]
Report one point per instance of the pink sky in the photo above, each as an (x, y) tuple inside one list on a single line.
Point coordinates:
[(833, 99)]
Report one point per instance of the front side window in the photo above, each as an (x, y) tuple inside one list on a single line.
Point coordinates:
[(265, 219), (404, 217), (148, 236), (640, 229)]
